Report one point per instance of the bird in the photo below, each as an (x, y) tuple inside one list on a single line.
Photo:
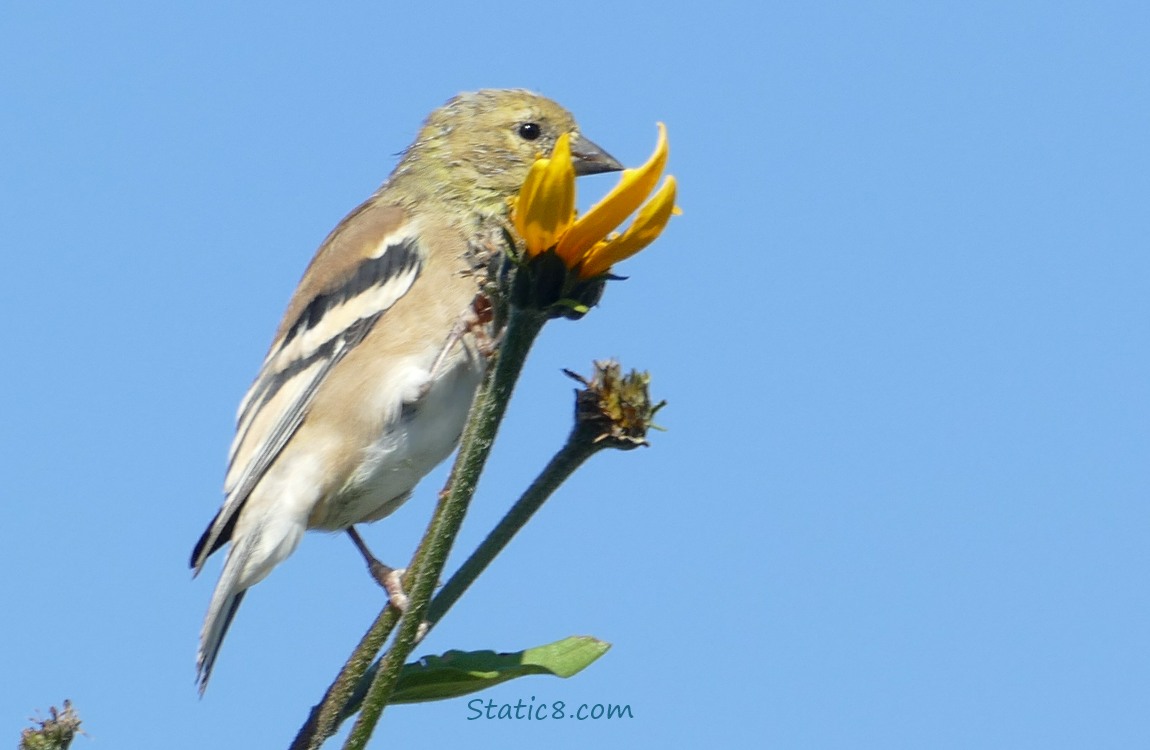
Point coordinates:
[(369, 378)]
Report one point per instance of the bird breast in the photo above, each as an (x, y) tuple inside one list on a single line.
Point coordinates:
[(417, 435)]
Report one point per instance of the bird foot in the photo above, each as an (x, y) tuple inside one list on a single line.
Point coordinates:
[(476, 322), (391, 579)]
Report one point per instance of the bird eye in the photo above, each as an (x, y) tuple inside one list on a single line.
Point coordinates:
[(529, 131)]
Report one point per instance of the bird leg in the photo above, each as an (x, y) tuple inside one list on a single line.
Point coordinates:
[(391, 579), (474, 321)]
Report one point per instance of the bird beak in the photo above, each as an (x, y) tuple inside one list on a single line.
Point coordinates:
[(587, 158)]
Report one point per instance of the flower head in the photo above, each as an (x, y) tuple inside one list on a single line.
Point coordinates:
[(544, 213)]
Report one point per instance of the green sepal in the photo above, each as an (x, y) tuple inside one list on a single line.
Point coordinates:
[(544, 282)]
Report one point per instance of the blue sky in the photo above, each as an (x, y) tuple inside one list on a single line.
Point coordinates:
[(902, 326)]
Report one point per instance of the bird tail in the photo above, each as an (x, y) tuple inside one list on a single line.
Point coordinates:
[(225, 602)]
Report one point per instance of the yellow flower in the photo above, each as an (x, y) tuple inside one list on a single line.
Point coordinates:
[(544, 212)]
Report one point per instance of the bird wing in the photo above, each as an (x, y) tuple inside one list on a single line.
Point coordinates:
[(365, 265)]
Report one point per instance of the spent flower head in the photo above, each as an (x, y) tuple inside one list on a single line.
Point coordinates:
[(614, 408)]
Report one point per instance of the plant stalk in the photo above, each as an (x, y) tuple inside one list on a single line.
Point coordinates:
[(523, 326)]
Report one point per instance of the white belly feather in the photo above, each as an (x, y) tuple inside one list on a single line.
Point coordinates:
[(422, 431)]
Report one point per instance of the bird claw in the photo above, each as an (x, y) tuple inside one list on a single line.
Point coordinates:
[(391, 579), (478, 324)]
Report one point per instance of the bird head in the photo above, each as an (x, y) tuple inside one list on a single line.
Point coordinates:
[(479, 147)]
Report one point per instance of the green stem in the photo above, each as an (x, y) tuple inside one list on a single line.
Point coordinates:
[(325, 718), (578, 448), (486, 413), (341, 699)]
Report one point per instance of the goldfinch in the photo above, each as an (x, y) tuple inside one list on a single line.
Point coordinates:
[(369, 378)]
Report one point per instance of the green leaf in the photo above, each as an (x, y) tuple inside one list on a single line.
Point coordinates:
[(458, 673)]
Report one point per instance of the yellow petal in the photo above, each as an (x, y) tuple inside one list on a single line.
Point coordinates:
[(522, 202), (648, 225), (546, 204), (633, 188)]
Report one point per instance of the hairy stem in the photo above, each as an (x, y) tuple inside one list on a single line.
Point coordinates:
[(486, 413), (578, 448)]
